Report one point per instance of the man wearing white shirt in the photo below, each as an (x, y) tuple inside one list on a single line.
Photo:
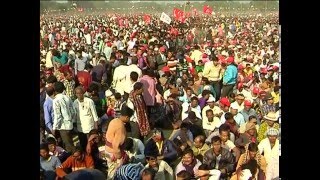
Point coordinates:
[(86, 116), (239, 102), (133, 67), (193, 106), (134, 149), (63, 114), (271, 151), (217, 112), (238, 117), (88, 38), (210, 123)]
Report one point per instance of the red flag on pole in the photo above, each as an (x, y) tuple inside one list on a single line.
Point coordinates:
[(147, 19), (207, 9), (178, 15)]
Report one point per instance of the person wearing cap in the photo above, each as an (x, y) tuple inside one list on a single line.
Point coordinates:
[(249, 135), (237, 116), (218, 158), (270, 147), (213, 71), (270, 121), (269, 105), (165, 148), (229, 77), (217, 112), (248, 110)]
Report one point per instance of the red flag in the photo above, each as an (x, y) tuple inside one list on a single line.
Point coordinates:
[(207, 9), (147, 19), (178, 15)]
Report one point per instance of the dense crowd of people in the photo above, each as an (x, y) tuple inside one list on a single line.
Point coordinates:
[(111, 86)]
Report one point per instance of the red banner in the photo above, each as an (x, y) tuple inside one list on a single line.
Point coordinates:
[(207, 9), (147, 19), (178, 15)]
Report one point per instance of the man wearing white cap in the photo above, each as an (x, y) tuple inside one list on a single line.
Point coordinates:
[(238, 117), (271, 149)]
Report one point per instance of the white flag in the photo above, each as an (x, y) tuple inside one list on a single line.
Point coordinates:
[(165, 18)]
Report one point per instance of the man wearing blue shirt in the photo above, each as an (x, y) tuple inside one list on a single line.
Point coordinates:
[(229, 77)]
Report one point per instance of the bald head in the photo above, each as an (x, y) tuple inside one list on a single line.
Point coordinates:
[(199, 139)]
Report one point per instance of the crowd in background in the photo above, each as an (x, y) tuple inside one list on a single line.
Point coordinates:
[(111, 86)]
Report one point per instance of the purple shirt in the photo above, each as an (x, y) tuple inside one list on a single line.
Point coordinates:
[(202, 102)]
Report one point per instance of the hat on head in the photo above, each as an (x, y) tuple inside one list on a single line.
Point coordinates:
[(225, 101), (240, 67), (272, 132), (271, 116), (247, 103), (211, 99), (204, 55), (263, 71), (165, 69), (162, 49), (256, 90), (230, 59), (234, 106), (240, 85), (250, 126)]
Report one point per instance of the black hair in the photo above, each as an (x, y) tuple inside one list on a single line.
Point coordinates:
[(50, 91), (44, 146), (78, 148), (137, 85), (194, 98), (184, 125), (204, 167), (188, 151), (134, 76), (93, 131), (134, 60), (252, 117), (59, 87), (126, 111), (253, 147), (149, 171), (228, 116), (209, 110), (252, 165), (88, 66), (52, 79), (128, 143), (117, 96), (205, 92), (93, 87), (224, 127), (51, 140), (185, 175), (215, 139)]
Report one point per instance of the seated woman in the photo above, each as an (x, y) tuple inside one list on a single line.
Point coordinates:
[(78, 160), (251, 153), (48, 163), (188, 163)]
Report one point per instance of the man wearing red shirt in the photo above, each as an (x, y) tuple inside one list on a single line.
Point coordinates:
[(84, 77)]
